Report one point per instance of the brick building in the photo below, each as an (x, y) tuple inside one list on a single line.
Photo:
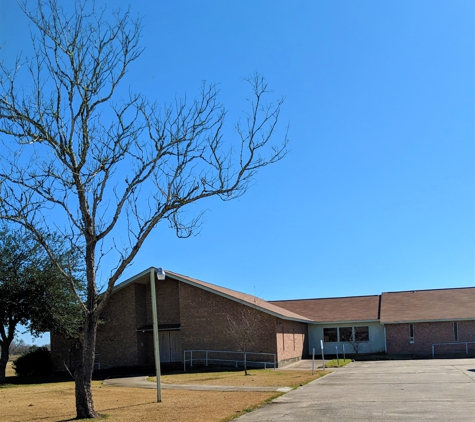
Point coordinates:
[(195, 315), (192, 315), (425, 321), (349, 324)]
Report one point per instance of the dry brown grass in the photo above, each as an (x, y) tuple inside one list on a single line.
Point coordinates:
[(9, 370), (256, 378), (55, 402)]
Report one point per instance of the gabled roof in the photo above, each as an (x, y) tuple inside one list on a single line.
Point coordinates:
[(338, 309), (428, 305), (249, 300)]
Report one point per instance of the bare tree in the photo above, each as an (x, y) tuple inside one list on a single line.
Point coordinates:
[(104, 170), (245, 329), (18, 346), (355, 336)]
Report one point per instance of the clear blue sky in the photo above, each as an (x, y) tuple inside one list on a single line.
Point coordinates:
[(378, 190)]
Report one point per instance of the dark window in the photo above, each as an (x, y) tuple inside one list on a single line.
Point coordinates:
[(361, 333), (346, 333), (411, 333), (456, 331), (330, 334)]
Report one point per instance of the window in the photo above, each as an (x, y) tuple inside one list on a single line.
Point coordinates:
[(362, 333), (346, 333), (411, 333), (330, 335), (456, 331)]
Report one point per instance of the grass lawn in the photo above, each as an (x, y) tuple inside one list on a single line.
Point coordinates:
[(334, 363), (9, 372), (52, 401), (255, 378)]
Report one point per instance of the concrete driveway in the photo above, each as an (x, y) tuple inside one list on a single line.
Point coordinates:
[(411, 390)]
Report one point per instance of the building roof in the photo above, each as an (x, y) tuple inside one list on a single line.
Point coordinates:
[(428, 305), (388, 308), (244, 298), (249, 300), (339, 309)]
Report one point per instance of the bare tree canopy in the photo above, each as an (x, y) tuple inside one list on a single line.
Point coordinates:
[(245, 329), (103, 169)]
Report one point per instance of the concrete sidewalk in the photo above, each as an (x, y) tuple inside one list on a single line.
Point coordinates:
[(412, 390), (141, 382)]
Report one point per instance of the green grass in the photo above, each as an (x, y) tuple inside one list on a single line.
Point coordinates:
[(334, 363)]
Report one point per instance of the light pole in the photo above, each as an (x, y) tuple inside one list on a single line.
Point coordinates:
[(156, 347)]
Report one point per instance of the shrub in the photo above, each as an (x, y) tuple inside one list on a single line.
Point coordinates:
[(35, 363)]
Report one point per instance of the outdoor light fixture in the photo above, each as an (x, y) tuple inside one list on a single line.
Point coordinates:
[(159, 273)]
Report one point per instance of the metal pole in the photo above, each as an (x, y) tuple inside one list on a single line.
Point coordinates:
[(313, 360), (156, 345), (337, 360), (323, 354), (344, 356)]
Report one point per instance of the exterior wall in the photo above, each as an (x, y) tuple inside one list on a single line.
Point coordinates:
[(204, 323), (117, 335), (291, 339), (141, 320), (168, 311), (168, 302), (65, 353), (203, 318), (466, 330), (374, 345), (426, 334)]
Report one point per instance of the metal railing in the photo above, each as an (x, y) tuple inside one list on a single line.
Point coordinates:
[(466, 343), (223, 357)]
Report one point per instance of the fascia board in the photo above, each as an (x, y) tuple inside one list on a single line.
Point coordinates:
[(356, 321), (412, 321), (132, 280)]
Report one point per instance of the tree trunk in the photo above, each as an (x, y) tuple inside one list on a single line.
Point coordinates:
[(83, 373), (4, 359)]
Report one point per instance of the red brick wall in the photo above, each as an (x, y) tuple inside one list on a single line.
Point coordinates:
[(204, 322), (291, 340), (65, 353), (168, 299), (466, 330), (426, 334), (117, 335)]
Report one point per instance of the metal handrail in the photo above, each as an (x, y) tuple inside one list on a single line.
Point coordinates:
[(207, 359), (454, 342)]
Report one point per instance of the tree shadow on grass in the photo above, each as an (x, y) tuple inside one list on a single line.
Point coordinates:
[(35, 380)]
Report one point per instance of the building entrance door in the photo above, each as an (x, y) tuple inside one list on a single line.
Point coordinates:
[(170, 346)]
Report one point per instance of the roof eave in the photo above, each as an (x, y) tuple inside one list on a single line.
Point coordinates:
[(350, 321), (412, 321)]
